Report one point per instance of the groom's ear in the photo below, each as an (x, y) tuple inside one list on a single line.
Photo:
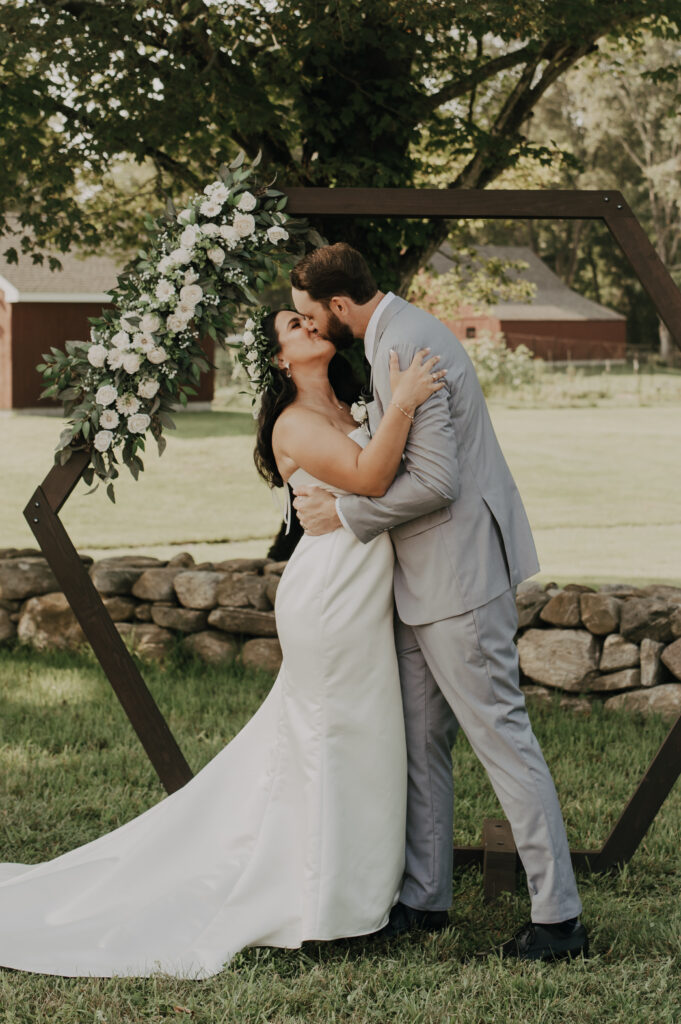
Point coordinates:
[(340, 305)]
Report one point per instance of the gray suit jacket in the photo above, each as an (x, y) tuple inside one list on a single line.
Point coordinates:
[(460, 530)]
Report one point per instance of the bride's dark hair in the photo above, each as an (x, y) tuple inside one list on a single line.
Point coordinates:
[(282, 392)]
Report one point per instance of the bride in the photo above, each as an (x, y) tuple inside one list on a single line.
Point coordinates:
[(295, 830)]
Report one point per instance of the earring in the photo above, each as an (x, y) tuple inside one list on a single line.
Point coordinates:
[(287, 369)]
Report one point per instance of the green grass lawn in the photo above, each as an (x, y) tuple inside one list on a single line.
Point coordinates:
[(72, 769), (596, 461)]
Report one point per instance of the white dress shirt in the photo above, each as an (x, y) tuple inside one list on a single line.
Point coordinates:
[(369, 344)]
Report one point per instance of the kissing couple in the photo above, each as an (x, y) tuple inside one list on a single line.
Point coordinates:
[(330, 814)]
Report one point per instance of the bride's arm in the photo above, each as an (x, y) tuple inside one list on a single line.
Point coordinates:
[(307, 439)]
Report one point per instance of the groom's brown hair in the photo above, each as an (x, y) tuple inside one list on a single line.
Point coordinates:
[(334, 270)]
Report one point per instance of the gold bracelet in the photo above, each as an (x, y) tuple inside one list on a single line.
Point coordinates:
[(403, 411)]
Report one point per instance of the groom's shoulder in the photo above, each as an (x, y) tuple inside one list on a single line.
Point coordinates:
[(420, 324)]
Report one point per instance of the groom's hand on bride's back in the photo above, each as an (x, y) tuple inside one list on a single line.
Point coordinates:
[(316, 510)]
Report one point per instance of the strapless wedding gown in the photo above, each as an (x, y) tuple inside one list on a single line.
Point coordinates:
[(294, 832)]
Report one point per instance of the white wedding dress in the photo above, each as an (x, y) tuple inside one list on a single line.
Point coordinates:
[(294, 832)]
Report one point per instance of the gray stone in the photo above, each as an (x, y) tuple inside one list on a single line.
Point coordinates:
[(143, 561), (675, 622), (579, 588), (7, 627), (671, 657), (147, 641), (143, 612), (120, 609), (626, 679), (662, 700), (566, 659), (197, 588), (26, 577), (545, 697), (622, 590), (651, 670), (271, 587), (181, 561), (211, 646), (20, 553), (600, 613), (274, 568), (646, 617), (183, 620), (10, 606), (243, 565), (256, 588), (618, 653), (48, 622), (113, 576), (157, 584), (529, 602), (562, 610), (243, 620), (672, 595), (262, 654), (233, 590)]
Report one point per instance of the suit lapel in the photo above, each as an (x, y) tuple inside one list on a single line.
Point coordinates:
[(386, 316)]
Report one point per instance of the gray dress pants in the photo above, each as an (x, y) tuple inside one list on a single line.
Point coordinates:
[(464, 671)]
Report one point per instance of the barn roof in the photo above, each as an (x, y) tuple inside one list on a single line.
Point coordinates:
[(553, 299), (81, 279)]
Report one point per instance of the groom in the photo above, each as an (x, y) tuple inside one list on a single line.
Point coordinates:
[(462, 543)]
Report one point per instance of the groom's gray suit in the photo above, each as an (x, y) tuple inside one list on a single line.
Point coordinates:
[(463, 542)]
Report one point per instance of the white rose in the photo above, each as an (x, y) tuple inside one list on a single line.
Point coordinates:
[(181, 255), (128, 404), (247, 202), (147, 388), (164, 290), (277, 234), (102, 440), (106, 394), (210, 230), (358, 411), (138, 423), (244, 223), (230, 235), (96, 355), (131, 362), (149, 323), (121, 340), (190, 276), (185, 216), (114, 358), (157, 355), (177, 321), (165, 264), (190, 236), (211, 207), (185, 310), (109, 419), (216, 255), (191, 293)]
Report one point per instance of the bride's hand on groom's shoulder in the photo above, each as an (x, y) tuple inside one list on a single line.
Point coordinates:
[(316, 509), (411, 387)]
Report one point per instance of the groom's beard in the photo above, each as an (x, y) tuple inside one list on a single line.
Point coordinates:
[(338, 333)]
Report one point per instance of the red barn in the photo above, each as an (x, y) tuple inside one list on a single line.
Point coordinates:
[(559, 325), (40, 308)]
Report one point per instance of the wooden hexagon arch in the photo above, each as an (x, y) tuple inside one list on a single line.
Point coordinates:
[(497, 852)]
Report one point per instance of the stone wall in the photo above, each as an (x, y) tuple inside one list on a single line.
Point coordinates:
[(620, 644)]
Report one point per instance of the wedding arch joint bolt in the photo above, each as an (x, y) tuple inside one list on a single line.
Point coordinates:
[(108, 645)]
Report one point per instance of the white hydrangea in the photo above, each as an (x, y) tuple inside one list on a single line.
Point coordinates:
[(191, 293), (230, 235), (131, 362), (102, 440), (114, 358), (216, 255), (106, 394), (190, 236), (178, 320), (138, 423), (96, 355), (210, 230), (128, 404), (210, 207), (247, 202), (149, 323), (164, 290), (157, 355), (121, 339), (109, 419), (244, 224), (147, 388), (277, 234)]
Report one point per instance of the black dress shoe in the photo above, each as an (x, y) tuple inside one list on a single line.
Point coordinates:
[(405, 919), (546, 942)]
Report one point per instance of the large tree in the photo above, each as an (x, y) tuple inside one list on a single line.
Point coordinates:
[(108, 107)]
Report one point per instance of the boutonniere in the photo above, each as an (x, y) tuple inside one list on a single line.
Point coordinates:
[(358, 411)]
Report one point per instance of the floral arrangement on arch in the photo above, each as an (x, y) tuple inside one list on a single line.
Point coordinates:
[(199, 269)]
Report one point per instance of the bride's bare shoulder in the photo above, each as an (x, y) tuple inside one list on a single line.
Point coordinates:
[(293, 419)]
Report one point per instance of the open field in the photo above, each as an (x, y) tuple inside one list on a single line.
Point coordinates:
[(600, 482), (71, 769)]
